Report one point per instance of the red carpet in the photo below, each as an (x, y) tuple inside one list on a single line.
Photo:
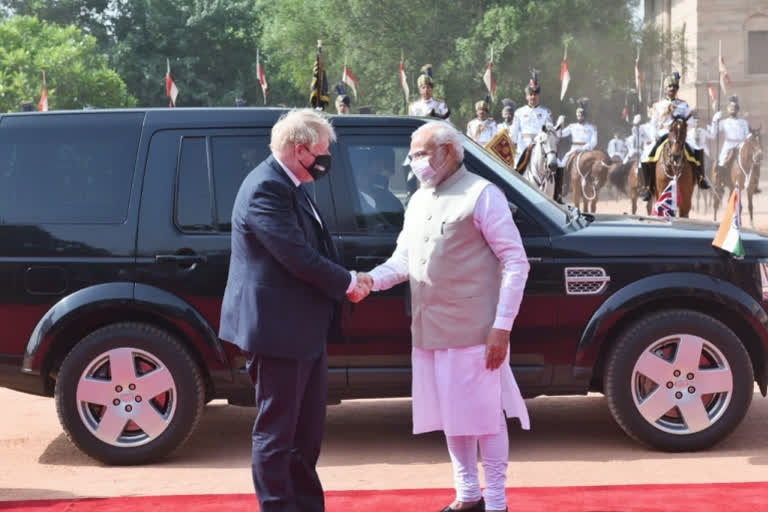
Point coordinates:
[(618, 498)]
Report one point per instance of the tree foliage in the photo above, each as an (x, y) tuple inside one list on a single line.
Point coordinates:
[(77, 75), (212, 46)]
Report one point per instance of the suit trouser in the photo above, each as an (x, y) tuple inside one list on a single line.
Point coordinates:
[(291, 397)]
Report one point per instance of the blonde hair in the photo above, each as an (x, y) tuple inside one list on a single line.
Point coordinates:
[(300, 127)]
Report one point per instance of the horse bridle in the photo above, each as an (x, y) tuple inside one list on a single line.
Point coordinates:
[(674, 162), (546, 154)]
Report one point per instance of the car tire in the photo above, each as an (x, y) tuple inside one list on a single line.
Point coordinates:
[(678, 381), (129, 393)]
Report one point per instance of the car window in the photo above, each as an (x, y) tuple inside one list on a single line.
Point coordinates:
[(233, 158), (193, 195), (381, 183), (67, 169)]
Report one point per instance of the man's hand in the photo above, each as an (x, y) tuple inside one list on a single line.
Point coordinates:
[(362, 289), (496, 348)]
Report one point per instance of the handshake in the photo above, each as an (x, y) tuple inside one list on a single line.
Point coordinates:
[(362, 289)]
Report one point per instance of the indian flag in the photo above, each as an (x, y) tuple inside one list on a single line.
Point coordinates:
[(728, 237)]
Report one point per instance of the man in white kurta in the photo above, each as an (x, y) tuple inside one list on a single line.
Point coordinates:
[(462, 253), (482, 128)]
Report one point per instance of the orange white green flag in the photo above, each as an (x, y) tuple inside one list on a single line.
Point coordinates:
[(728, 237)]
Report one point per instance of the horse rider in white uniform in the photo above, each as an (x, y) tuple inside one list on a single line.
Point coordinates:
[(426, 105), (664, 112), (734, 129), (527, 123), (482, 128), (617, 148), (583, 135), (507, 115)]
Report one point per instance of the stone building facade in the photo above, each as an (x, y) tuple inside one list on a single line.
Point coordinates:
[(741, 26)]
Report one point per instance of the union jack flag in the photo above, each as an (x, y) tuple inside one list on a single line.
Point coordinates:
[(666, 205)]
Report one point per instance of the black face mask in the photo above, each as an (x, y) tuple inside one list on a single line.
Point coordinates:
[(320, 167)]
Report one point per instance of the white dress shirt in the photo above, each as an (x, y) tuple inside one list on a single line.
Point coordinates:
[(493, 218), (297, 183)]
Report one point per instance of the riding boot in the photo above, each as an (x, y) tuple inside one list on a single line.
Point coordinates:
[(702, 180), (558, 193), (647, 168)]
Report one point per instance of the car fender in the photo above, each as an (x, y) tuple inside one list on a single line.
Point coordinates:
[(660, 287), (136, 297)]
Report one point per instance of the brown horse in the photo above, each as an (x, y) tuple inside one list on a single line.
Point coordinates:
[(589, 172), (673, 164), (742, 167), (635, 186)]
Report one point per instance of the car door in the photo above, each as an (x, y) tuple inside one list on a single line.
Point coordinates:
[(191, 181), (370, 192)]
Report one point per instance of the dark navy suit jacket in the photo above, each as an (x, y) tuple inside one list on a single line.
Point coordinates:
[(283, 284)]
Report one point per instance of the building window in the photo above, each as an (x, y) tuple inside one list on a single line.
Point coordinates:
[(757, 44)]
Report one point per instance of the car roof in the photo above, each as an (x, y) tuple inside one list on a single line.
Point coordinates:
[(212, 117)]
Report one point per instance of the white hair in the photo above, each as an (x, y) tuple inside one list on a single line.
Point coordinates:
[(300, 127), (442, 132)]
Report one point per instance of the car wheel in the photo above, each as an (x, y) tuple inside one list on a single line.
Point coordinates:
[(678, 380), (129, 393)]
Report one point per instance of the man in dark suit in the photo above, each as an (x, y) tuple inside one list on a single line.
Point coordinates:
[(281, 294)]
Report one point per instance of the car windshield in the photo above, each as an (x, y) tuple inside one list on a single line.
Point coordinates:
[(559, 213)]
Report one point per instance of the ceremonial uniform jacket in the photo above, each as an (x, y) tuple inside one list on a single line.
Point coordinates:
[(735, 131), (583, 138), (617, 148), (422, 107), (665, 110), (527, 123), (481, 131)]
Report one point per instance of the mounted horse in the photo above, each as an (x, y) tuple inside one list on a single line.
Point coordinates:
[(542, 162), (589, 172), (742, 167), (673, 164)]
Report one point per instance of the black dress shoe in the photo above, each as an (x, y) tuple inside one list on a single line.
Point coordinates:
[(477, 507)]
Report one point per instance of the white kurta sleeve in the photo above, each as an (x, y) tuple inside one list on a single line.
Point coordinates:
[(494, 219)]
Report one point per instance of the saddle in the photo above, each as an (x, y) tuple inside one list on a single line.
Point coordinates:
[(524, 159)]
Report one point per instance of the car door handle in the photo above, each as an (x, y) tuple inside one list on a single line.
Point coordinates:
[(180, 259)]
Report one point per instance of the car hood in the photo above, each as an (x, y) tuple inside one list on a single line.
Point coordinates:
[(632, 236)]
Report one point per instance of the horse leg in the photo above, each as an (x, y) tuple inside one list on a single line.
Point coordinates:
[(750, 192)]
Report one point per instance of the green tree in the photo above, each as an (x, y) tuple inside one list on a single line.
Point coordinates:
[(77, 74), (211, 45), (456, 37)]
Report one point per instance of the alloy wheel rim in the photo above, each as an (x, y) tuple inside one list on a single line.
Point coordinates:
[(126, 397), (682, 384)]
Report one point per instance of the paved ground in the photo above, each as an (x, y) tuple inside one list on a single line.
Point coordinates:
[(368, 445)]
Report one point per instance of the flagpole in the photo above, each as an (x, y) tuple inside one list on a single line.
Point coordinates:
[(719, 96), (405, 98)]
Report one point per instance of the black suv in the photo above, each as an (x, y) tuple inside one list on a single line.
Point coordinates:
[(114, 246)]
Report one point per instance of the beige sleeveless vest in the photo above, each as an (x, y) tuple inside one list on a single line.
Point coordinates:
[(454, 274)]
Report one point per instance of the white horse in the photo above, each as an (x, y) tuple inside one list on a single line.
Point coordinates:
[(543, 161)]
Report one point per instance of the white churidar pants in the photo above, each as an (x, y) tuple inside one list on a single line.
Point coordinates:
[(453, 391)]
